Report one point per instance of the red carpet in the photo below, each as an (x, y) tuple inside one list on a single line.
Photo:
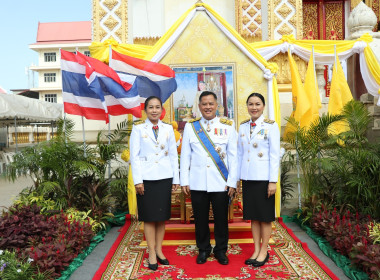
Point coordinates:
[(289, 258)]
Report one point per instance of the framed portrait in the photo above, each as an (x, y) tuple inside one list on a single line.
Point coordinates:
[(192, 80)]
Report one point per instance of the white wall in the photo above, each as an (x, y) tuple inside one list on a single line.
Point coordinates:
[(151, 18)]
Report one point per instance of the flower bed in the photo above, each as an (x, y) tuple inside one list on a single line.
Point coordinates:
[(352, 235), (50, 243)]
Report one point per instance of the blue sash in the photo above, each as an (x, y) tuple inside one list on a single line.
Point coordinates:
[(209, 147)]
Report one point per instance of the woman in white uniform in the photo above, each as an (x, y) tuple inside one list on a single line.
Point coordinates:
[(154, 162), (259, 156)]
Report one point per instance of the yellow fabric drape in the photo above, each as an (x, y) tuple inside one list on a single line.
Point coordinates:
[(132, 201), (340, 94), (311, 90), (320, 46), (302, 103), (277, 116), (100, 51), (372, 64)]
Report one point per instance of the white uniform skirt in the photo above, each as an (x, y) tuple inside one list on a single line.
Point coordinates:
[(155, 204)]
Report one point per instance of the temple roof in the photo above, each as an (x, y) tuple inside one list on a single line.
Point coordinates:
[(64, 32)]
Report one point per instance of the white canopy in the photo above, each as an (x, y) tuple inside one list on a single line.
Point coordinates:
[(27, 109)]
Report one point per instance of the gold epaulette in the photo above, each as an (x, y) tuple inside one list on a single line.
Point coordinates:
[(226, 121), (247, 120), (268, 121), (166, 123), (193, 120), (137, 122)]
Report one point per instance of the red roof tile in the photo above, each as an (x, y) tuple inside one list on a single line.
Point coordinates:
[(53, 32)]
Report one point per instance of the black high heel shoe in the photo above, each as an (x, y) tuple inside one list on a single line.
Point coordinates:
[(258, 264), (250, 261), (163, 261), (153, 266)]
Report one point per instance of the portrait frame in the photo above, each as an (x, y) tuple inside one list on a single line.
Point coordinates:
[(192, 79)]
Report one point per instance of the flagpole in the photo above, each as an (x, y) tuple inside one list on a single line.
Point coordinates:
[(64, 113), (298, 163), (317, 90), (16, 134), (109, 143), (64, 127)]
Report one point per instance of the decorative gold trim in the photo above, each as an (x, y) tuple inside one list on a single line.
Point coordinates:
[(258, 5), (111, 23), (238, 17), (274, 21), (110, 4), (149, 41), (252, 12), (299, 19), (284, 10), (99, 12), (285, 30)]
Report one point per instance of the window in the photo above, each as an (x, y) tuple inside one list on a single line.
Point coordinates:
[(50, 57), (49, 77), (51, 98), (87, 53)]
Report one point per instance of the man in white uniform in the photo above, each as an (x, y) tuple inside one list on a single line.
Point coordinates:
[(208, 172)]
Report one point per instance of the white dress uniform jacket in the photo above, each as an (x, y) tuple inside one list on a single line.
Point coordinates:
[(259, 153), (153, 159), (198, 169)]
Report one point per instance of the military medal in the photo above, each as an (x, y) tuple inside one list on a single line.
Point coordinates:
[(208, 128)]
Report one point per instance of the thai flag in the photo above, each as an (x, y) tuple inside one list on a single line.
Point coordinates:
[(152, 79), (93, 90)]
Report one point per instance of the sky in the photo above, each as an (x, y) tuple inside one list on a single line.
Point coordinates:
[(18, 28)]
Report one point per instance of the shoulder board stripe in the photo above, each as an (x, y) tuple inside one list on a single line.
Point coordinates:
[(225, 121), (193, 120), (247, 120), (268, 121), (137, 122)]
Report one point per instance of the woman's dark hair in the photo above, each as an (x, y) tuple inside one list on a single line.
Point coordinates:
[(205, 93), (257, 95), (149, 99)]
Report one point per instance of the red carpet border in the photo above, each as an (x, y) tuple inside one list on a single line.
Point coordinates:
[(289, 259)]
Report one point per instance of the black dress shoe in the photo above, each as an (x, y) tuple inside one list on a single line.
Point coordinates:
[(202, 257), (222, 258), (163, 261), (250, 261), (258, 264), (153, 266)]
